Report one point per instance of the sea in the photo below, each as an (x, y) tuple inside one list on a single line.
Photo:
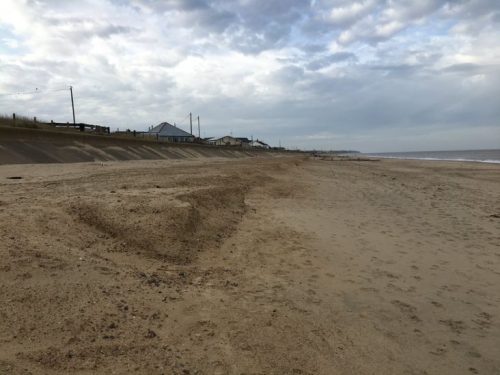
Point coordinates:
[(480, 156)]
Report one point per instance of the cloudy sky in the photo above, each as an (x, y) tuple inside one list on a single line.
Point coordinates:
[(371, 75)]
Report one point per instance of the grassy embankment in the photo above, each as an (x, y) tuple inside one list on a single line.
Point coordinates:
[(20, 121)]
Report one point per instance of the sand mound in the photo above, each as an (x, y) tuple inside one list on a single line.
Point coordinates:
[(174, 229), (112, 269)]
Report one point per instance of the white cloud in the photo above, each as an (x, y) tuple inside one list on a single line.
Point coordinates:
[(351, 12)]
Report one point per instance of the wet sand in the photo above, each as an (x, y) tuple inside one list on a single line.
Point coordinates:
[(250, 266)]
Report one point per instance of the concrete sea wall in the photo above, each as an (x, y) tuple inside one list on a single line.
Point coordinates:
[(30, 146)]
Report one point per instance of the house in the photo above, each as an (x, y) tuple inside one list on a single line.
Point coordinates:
[(227, 141), (170, 133), (209, 140), (259, 144), (245, 142)]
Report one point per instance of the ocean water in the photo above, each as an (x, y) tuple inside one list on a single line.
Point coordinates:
[(481, 156)]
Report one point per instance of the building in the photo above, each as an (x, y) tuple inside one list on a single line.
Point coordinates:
[(209, 140), (227, 141), (259, 144), (245, 142), (170, 133)]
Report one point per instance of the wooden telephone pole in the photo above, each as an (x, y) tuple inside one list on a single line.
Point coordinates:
[(72, 104), (191, 122), (199, 132)]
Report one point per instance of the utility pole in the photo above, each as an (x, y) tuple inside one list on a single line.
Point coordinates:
[(191, 122), (199, 132), (72, 104)]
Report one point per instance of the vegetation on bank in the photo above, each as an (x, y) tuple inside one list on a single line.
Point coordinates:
[(19, 121)]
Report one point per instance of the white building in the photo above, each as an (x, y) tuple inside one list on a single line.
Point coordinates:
[(259, 144)]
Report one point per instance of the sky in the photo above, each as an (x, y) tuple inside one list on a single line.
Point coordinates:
[(370, 75)]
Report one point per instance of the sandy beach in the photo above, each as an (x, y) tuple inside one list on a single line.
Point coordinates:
[(263, 265)]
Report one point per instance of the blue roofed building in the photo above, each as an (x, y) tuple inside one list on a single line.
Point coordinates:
[(170, 133)]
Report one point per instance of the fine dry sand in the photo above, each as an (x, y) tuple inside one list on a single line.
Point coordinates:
[(283, 265)]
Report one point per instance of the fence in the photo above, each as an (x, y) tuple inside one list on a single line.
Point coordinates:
[(26, 122)]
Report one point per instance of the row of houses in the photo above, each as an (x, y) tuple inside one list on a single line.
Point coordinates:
[(171, 133), (236, 141)]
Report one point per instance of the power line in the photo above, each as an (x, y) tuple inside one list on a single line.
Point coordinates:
[(180, 122), (22, 93), (36, 91)]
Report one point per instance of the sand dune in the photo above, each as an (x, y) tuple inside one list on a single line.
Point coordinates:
[(250, 266)]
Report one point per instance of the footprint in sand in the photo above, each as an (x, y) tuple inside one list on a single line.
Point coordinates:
[(483, 320), (439, 351), (437, 304), (407, 309), (457, 326)]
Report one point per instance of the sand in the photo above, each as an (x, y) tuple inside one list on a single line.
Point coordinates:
[(289, 265)]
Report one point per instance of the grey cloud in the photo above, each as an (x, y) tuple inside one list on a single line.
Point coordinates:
[(215, 20), (347, 13), (109, 30), (81, 29), (257, 25), (411, 10), (273, 36), (471, 8), (325, 61), (425, 57), (313, 48), (399, 70), (391, 18), (198, 14), (396, 90), (466, 67), (166, 5), (288, 75), (263, 24)]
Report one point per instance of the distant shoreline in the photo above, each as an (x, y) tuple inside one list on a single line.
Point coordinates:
[(476, 156), (434, 159)]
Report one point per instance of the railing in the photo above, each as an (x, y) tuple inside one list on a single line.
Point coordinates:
[(26, 122)]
